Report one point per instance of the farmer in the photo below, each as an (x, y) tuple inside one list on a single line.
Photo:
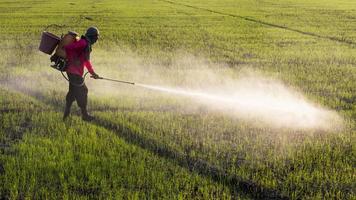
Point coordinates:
[(78, 56)]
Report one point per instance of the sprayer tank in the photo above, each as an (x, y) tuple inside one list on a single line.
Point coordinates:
[(68, 38)]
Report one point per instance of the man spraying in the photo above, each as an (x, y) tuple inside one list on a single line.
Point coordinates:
[(78, 56)]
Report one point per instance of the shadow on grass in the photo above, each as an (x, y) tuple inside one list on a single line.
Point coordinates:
[(235, 183)]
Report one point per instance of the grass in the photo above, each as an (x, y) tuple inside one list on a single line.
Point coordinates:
[(80, 160), (150, 145)]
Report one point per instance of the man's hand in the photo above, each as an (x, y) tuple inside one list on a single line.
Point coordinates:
[(95, 76)]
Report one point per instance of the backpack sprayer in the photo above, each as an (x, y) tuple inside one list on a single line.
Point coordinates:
[(51, 43)]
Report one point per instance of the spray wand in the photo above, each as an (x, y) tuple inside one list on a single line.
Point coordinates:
[(114, 80)]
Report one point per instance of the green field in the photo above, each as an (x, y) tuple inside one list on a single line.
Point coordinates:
[(146, 144)]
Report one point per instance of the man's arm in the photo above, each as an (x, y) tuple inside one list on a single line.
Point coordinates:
[(90, 69)]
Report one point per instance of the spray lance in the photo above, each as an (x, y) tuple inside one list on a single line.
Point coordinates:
[(102, 78), (114, 80)]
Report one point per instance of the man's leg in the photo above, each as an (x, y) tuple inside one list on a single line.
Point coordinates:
[(82, 99), (69, 101), (79, 92)]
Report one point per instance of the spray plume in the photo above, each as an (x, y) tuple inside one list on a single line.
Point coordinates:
[(270, 103), (241, 92)]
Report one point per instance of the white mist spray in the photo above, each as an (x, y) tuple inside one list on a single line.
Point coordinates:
[(239, 92), (269, 102)]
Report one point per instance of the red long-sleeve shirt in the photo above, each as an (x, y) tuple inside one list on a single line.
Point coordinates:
[(77, 58)]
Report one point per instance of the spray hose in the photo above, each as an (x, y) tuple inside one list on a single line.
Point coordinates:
[(77, 85)]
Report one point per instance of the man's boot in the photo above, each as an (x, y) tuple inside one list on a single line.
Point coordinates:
[(66, 111), (86, 116)]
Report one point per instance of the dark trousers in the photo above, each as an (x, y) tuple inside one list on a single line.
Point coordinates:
[(78, 91)]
